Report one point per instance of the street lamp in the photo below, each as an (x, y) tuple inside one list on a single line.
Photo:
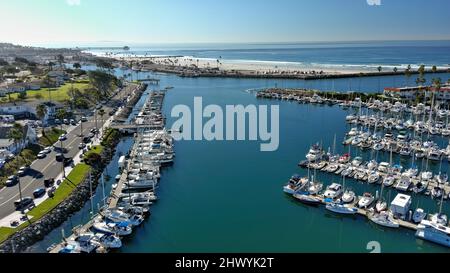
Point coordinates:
[(20, 190)]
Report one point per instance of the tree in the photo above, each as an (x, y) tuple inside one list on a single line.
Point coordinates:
[(41, 111), (379, 80), (434, 69), (77, 66), (22, 95), (101, 113), (16, 134), (61, 114), (60, 59), (395, 71), (408, 74), (38, 96), (102, 83), (51, 65)]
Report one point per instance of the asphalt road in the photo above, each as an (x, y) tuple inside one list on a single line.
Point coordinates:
[(48, 167)]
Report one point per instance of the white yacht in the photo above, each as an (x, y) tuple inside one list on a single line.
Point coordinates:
[(348, 196), (333, 191), (374, 177), (315, 153), (404, 183), (121, 229), (366, 200), (434, 232), (389, 181)]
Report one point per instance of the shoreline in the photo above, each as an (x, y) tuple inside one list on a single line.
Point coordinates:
[(200, 67)]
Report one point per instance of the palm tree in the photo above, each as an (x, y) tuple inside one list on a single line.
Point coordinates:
[(101, 113), (41, 111), (408, 74), (434, 69), (16, 134), (61, 114), (395, 71), (77, 65)]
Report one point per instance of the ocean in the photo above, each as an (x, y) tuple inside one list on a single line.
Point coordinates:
[(227, 196)]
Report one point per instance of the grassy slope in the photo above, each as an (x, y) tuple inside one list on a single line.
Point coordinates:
[(57, 94)]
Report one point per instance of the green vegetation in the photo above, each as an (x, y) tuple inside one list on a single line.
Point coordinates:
[(76, 176), (50, 137), (59, 94), (109, 137), (97, 149), (27, 156)]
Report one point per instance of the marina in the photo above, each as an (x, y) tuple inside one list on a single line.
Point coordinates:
[(131, 198)]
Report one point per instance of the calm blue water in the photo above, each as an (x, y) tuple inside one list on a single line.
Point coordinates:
[(227, 196)]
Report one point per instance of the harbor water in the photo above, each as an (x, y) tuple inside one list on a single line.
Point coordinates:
[(227, 196)]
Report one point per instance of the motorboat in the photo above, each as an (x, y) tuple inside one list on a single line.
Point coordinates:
[(426, 175), (347, 172), (357, 161), (315, 153), (121, 229), (294, 184), (381, 205), (344, 158), (419, 215), (366, 200), (373, 165), (353, 132), (384, 219), (420, 187), (339, 208), (439, 218), (434, 154), (404, 183), (348, 196), (333, 191), (108, 240), (374, 177), (360, 175), (433, 232), (411, 172), (437, 192), (384, 167), (388, 181), (442, 178)]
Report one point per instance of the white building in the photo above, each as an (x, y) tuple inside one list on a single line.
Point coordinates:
[(400, 206)]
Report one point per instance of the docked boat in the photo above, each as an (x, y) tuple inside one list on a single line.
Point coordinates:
[(357, 161), (339, 208), (307, 198), (404, 183), (344, 158), (384, 219), (315, 187), (333, 191), (381, 205), (315, 153), (121, 229), (378, 146), (441, 178), (295, 183), (439, 218), (388, 181), (347, 172), (348, 196), (366, 200), (426, 175), (420, 187), (419, 215), (437, 192), (85, 243), (436, 233), (374, 177)]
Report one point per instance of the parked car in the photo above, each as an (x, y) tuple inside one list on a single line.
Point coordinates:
[(81, 146), (66, 121), (41, 155), (86, 139), (57, 121), (49, 182), (84, 119), (91, 135), (63, 137), (23, 203), (94, 130), (12, 180), (39, 192), (47, 150), (23, 170), (73, 122)]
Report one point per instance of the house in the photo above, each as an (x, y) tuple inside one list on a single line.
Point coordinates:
[(18, 110), (8, 144), (411, 93)]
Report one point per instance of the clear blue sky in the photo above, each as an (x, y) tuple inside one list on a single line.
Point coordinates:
[(218, 21)]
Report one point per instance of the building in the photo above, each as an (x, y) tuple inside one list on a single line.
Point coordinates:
[(411, 93), (8, 144), (400, 206), (18, 110)]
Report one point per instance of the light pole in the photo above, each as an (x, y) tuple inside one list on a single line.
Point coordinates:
[(63, 159), (20, 190)]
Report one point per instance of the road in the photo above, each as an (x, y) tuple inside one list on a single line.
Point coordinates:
[(48, 167)]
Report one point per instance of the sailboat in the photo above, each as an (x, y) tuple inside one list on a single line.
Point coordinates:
[(348, 196), (310, 196)]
